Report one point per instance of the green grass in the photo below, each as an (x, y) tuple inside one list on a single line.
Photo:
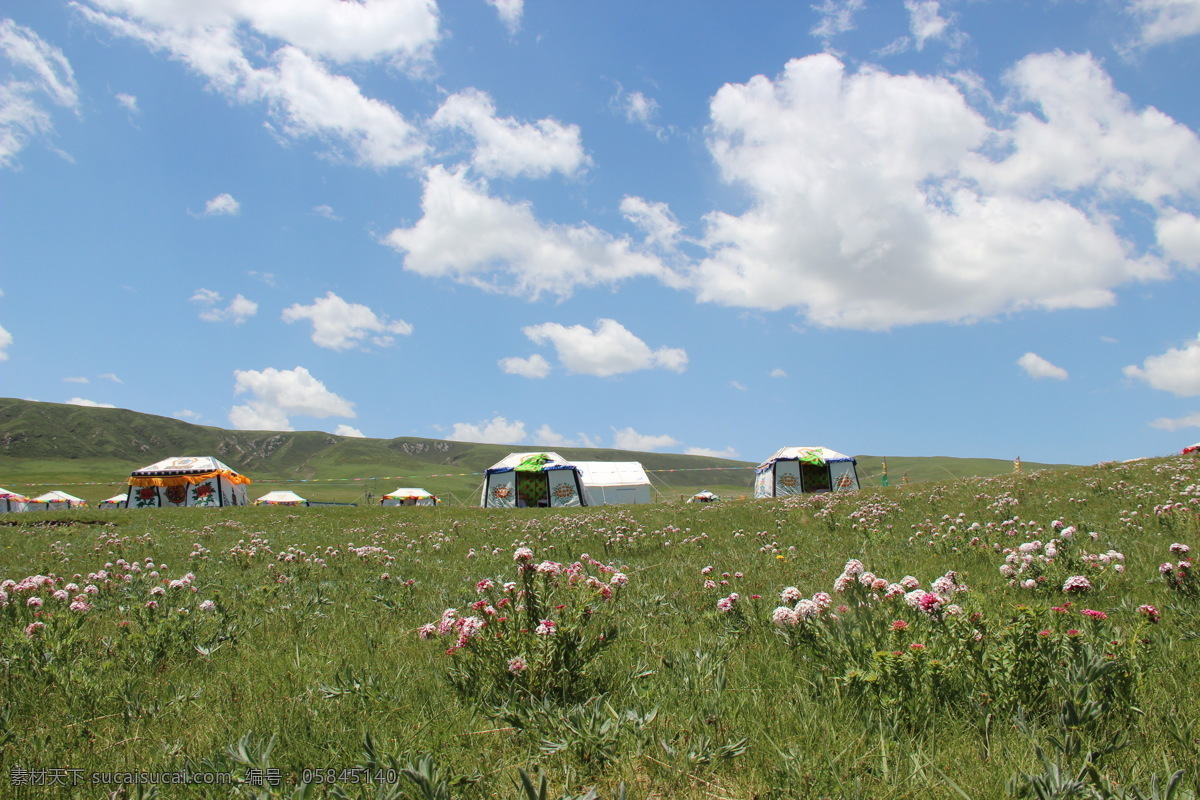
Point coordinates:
[(318, 652)]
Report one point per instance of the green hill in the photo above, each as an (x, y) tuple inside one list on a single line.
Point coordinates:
[(90, 452)]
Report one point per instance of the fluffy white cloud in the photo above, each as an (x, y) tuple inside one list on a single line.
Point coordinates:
[(1176, 371), (46, 73), (925, 20), (76, 380), (510, 12), (1177, 423), (1037, 367), (6, 341), (629, 439), (223, 205), (326, 212), (1166, 20), (741, 387), (186, 413), (348, 430), (220, 41), (333, 29), (497, 430), (277, 394), (339, 325), (728, 452), (533, 367), (654, 219), (875, 202), (837, 16), (80, 401), (127, 102), (238, 311), (778, 373), (110, 376), (469, 236), (506, 147), (608, 350), (1179, 237)]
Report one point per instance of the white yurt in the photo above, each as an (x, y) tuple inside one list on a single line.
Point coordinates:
[(614, 482), (408, 497), (11, 501), (534, 480), (116, 501), (704, 496), (181, 481), (285, 498), (56, 501), (797, 470)]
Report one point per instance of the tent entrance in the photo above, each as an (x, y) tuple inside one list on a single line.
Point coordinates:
[(815, 478), (533, 489)]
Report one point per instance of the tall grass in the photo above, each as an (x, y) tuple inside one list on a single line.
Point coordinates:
[(284, 647)]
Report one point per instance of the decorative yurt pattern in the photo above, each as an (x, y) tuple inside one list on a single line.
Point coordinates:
[(533, 480), (799, 470), (184, 481)]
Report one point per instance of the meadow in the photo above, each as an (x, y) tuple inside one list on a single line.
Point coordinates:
[(1027, 635)]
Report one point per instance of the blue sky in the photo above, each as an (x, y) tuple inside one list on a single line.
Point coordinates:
[(961, 228)]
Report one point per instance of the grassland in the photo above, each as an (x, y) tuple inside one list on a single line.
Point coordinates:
[(285, 643)]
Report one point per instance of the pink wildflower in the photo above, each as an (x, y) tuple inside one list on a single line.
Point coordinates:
[(517, 665), (34, 602), (522, 554), (899, 625), (546, 628), (1076, 584), (1180, 549), (790, 595), (33, 628), (1097, 615), (784, 617), (208, 605), (427, 630), (1151, 613)]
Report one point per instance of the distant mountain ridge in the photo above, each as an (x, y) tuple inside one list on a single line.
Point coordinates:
[(44, 443)]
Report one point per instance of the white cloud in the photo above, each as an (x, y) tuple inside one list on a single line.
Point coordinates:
[(654, 219), (326, 212), (474, 238), (76, 380), (79, 401), (349, 430), (220, 41), (497, 430), (629, 439), (110, 376), (925, 20), (1179, 237), (49, 75), (1178, 423), (778, 373), (223, 205), (533, 367), (1176, 371), (279, 394), (1037, 367), (837, 16), (608, 350), (128, 102), (339, 325), (510, 12), (508, 148), (741, 387), (874, 203), (728, 452), (6, 341), (186, 413), (1166, 20), (238, 311)]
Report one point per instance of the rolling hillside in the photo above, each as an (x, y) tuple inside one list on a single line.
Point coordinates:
[(91, 451)]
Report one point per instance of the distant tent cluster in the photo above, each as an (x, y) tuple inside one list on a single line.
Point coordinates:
[(520, 480)]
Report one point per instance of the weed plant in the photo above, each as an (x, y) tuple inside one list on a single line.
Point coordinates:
[(1034, 635)]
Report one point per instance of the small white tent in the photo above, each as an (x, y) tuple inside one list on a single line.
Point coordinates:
[(408, 497), (11, 501), (281, 499), (187, 481), (703, 496), (56, 501), (796, 470), (116, 501), (534, 480), (613, 482)]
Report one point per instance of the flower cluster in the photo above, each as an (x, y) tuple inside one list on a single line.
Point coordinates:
[(1179, 576), (1035, 565)]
